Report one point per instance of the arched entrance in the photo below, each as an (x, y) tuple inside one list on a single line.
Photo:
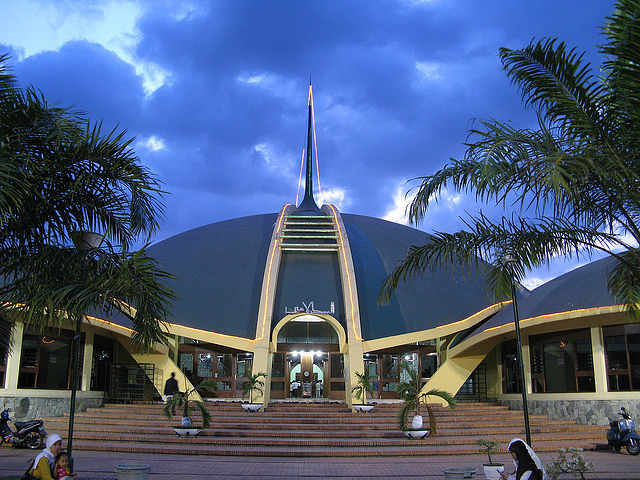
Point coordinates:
[(308, 359)]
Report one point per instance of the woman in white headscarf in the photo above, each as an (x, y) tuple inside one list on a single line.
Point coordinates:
[(44, 461), (527, 464)]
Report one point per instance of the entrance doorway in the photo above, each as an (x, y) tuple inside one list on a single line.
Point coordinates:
[(307, 364), (307, 374)]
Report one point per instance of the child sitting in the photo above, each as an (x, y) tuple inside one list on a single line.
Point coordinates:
[(61, 467)]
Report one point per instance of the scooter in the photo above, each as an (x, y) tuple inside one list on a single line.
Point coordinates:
[(29, 434), (623, 432)]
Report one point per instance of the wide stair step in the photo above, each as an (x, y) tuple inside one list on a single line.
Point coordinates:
[(289, 429)]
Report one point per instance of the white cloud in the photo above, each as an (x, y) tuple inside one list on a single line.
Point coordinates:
[(335, 196), (274, 84), (110, 23), (430, 70), (152, 143), (397, 211)]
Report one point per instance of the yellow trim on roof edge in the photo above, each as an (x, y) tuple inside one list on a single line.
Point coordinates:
[(431, 333)]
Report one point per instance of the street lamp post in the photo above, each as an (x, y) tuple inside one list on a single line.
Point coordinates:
[(523, 384), (86, 240)]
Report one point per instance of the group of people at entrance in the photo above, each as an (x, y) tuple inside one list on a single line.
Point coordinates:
[(299, 389)]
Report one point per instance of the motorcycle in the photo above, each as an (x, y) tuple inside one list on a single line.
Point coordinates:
[(30, 434), (623, 432)]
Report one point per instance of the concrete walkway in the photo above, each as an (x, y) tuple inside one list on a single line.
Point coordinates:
[(100, 465)]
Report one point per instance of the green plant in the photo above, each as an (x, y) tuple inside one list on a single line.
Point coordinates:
[(364, 386), (488, 447), (571, 461), (409, 391), (253, 384), (182, 400)]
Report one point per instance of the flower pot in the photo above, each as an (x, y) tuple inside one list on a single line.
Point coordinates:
[(186, 422), (492, 470), (363, 408), (132, 472), (251, 407), (416, 423), (421, 433), (187, 431)]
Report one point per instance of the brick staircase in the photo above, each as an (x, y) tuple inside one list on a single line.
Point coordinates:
[(291, 429)]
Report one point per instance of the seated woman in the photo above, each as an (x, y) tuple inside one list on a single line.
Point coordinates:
[(43, 463)]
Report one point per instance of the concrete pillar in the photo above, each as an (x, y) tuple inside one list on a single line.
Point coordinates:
[(599, 363), (87, 361)]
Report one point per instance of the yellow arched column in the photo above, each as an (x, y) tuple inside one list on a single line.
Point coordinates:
[(262, 348)]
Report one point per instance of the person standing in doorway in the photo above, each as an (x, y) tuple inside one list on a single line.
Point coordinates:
[(171, 387)]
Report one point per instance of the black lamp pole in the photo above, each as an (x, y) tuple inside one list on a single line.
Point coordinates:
[(74, 383), (523, 383), (86, 240)]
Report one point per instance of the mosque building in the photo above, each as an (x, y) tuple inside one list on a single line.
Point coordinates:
[(294, 294)]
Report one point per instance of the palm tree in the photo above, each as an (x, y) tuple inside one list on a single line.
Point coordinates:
[(253, 383), (364, 386), (574, 178), (183, 400), (59, 175), (409, 391)]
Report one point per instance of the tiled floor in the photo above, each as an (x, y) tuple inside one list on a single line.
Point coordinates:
[(100, 465)]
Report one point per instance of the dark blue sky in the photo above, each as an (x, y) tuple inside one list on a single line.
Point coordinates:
[(215, 92)]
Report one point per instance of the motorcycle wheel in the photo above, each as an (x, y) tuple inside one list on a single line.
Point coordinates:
[(33, 440), (617, 448), (633, 447)]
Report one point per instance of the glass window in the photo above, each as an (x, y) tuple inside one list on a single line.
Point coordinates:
[(337, 365), (428, 365), (296, 332), (510, 367), (225, 365), (3, 367), (562, 362), (205, 365), (245, 363), (390, 366), (186, 363), (622, 352), (277, 365), (45, 362), (318, 332)]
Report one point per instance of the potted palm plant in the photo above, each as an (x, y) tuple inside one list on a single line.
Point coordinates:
[(364, 386), (184, 401), (253, 384), (492, 469), (409, 391)]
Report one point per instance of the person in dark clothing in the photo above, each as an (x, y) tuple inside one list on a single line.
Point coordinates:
[(528, 465), (171, 387)]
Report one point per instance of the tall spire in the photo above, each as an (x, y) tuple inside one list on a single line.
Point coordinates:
[(308, 204)]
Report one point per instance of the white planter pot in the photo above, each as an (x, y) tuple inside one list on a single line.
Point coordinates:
[(186, 432), (417, 433), (492, 472), (416, 423), (132, 472), (363, 408), (251, 407)]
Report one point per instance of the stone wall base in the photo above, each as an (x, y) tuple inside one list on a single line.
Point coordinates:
[(584, 412), (27, 408)]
